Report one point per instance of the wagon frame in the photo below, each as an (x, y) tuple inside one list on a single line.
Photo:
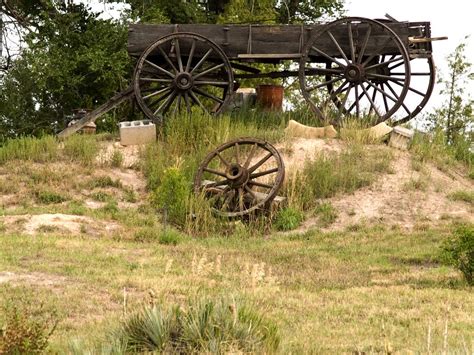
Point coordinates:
[(350, 68)]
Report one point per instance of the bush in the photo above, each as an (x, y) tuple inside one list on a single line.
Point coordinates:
[(165, 236), (104, 181), (171, 195), (204, 326), (459, 251), (465, 196), (25, 332), (288, 218)]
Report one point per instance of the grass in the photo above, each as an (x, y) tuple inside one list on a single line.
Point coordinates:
[(30, 149), (462, 195), (341, 289)]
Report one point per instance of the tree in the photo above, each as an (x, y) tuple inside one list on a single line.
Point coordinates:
[(73, 60), (455, 117)]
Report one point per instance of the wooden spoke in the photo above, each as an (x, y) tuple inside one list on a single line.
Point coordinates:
[(263, 173), (338, 47), (249, 158), (328, 56), (197, 101), (237, 153), (178, 54), (168, 60), (260, 162), (351, 41), (217, 183), (191, 54), (215, 172), (188, 104), (372, 104), (156, 93), (159, 68), (381, 64), (207, 71), (364, 44), (356, 89), (206, 94), (384, 97), (213, 83), (221, 158), (386, 77), (203, 59), (260, 184), (249, 190), (157, 80), (411, 89), (165, 105), (332, 81)]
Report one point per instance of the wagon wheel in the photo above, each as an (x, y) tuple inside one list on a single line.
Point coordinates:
[(352, 58), (181, 70), (423, 77), (240, 177)]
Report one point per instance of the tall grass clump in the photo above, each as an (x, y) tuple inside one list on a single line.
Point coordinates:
[(203, 326), (329, 174), (81, 148), (435, 148), (29, 148)]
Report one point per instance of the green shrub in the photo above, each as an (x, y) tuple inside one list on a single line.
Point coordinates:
[(81, 148), (101, 196), (288, 218), (25, 331), (28, 148), (459, 251), (204, 326), (171, 195), (49, 197), (169, 237)]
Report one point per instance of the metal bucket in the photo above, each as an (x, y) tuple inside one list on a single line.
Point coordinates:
[(270, 97)]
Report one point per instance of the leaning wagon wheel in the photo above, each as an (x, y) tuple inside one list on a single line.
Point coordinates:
[(179, 71), (423, 77), (351, 58), (240, 176)]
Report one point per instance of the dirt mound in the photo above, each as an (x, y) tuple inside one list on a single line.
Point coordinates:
[(394, 199), (32, 278)]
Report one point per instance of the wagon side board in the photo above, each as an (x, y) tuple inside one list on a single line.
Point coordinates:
[(278, 42)]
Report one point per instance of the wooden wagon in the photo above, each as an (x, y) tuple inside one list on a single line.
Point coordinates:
[(352, 67)]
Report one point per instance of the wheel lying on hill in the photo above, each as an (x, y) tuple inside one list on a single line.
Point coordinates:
[(240, 177), (179, 71), (353, 61)]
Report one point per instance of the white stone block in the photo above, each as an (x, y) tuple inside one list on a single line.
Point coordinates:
[(137, 132), (400, 138)]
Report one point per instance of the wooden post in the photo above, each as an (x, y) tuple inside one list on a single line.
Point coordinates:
[(94, 115)]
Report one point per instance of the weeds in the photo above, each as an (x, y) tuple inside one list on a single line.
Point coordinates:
[(104, 181), (31, 149), (327, 214), (49, 197), (116, 159), (461, 195), (81, 148), (25, 331)]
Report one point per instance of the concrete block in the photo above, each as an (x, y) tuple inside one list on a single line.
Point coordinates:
[(400, 138), (137, 132), (296, 129)]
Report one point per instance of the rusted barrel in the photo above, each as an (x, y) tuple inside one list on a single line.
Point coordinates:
[(270, 97)]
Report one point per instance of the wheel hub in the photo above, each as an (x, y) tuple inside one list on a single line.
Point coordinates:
[(355, 73), (237, 175), (183, 81)]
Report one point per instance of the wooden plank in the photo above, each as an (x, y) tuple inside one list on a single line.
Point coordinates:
[(94, 115), (269, 56)]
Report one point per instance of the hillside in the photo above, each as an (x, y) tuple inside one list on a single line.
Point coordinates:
[(361, 274)]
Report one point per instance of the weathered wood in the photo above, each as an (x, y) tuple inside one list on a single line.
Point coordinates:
[(268, 42), (94, 115)]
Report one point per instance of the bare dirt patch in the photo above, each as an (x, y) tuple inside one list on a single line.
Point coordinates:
[(130, 154), (58, 223), (32, 278)]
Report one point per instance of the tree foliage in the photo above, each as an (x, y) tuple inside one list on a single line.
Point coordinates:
[(455, 116), (74, 59)]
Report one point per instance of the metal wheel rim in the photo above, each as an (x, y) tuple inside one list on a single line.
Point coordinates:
[(345, 60), (258, 144), (183, 66)]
